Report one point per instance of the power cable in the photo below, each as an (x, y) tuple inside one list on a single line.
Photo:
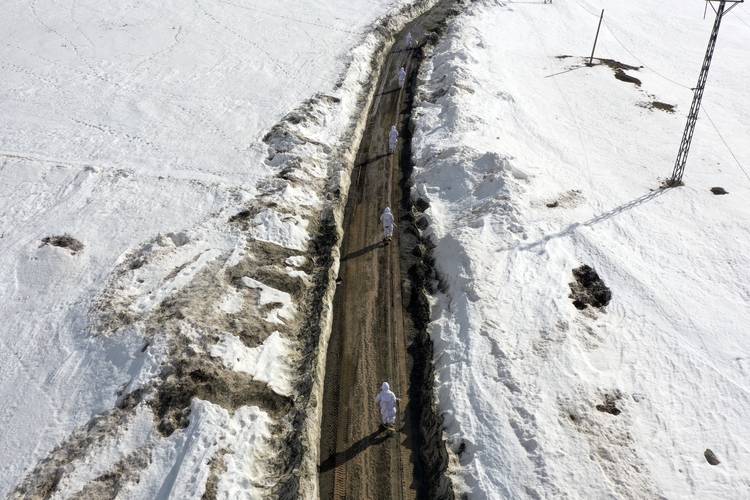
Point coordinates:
[(675, 82), (739, 18), (705, 112)]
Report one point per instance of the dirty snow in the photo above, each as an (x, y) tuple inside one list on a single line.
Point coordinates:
[(137, 129), (269, 363), (283, 308), (535, 164), (283, 230)]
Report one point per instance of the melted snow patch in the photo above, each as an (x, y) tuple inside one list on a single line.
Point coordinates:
[(245, 436), (249, 430), (232, 302), (285, 230), (106, 454), (297, 273), (170, 281), (148, 363), (268, 296), (296, 260), (267, 363)]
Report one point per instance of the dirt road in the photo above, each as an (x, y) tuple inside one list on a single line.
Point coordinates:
[(371, 328)]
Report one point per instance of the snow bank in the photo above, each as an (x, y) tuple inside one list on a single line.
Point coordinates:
[(270, 362), (161, 137), (534, 164)]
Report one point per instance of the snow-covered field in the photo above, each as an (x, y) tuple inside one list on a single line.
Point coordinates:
[(535, 164), (139, 129)]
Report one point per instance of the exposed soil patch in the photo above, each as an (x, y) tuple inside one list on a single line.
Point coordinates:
[(217, 466), (624, 77), (619, 69), (615, 65), (588, 289), (719, 190), (242, 215), (609, 405), (421, 204), (610, 440), (44, 479), (64, 241), (197, 377), (670, 183), (567, 199), (661, 106), (711, 457), (109, 484)]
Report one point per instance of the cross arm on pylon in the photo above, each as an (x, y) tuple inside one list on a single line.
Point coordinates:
[(733, 2)]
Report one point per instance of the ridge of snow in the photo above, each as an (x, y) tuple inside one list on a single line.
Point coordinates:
[(503, 127)]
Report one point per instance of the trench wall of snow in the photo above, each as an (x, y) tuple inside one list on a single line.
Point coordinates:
[(534, 163), (126, 122)]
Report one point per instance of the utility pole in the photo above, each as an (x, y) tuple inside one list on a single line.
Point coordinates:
[(591, 59), (687, 136)]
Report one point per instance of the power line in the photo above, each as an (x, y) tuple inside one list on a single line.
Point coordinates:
[(626, 49), (705, 112), (739, 18), (585, 9)]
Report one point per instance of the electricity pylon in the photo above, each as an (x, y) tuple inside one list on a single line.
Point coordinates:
[(687, 136)]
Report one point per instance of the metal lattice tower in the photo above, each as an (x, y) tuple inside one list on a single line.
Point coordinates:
[(687, 136)]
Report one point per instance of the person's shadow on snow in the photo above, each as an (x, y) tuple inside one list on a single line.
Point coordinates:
[(336, 459)]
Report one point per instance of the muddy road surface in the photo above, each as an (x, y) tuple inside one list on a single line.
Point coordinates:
[(372, 330)]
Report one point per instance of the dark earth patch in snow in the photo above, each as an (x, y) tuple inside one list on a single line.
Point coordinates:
[(670, 183), (197, 377), (588, 289), (609, 405), (615, 65), (619, 69), (662, 106), (216, 466), (64, 241), (44, 479), (711, 457), (421, 204), (624, 77), (461, 448), (109, 484), (241, 216), (719, 190), (567, 199)]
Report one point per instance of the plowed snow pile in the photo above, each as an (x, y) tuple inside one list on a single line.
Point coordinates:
[(163, 171), (535, 165)]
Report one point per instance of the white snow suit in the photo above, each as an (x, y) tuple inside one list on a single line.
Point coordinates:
[(392, 139), (387, 402), (401, 77), (387, 219), (409, 40)]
